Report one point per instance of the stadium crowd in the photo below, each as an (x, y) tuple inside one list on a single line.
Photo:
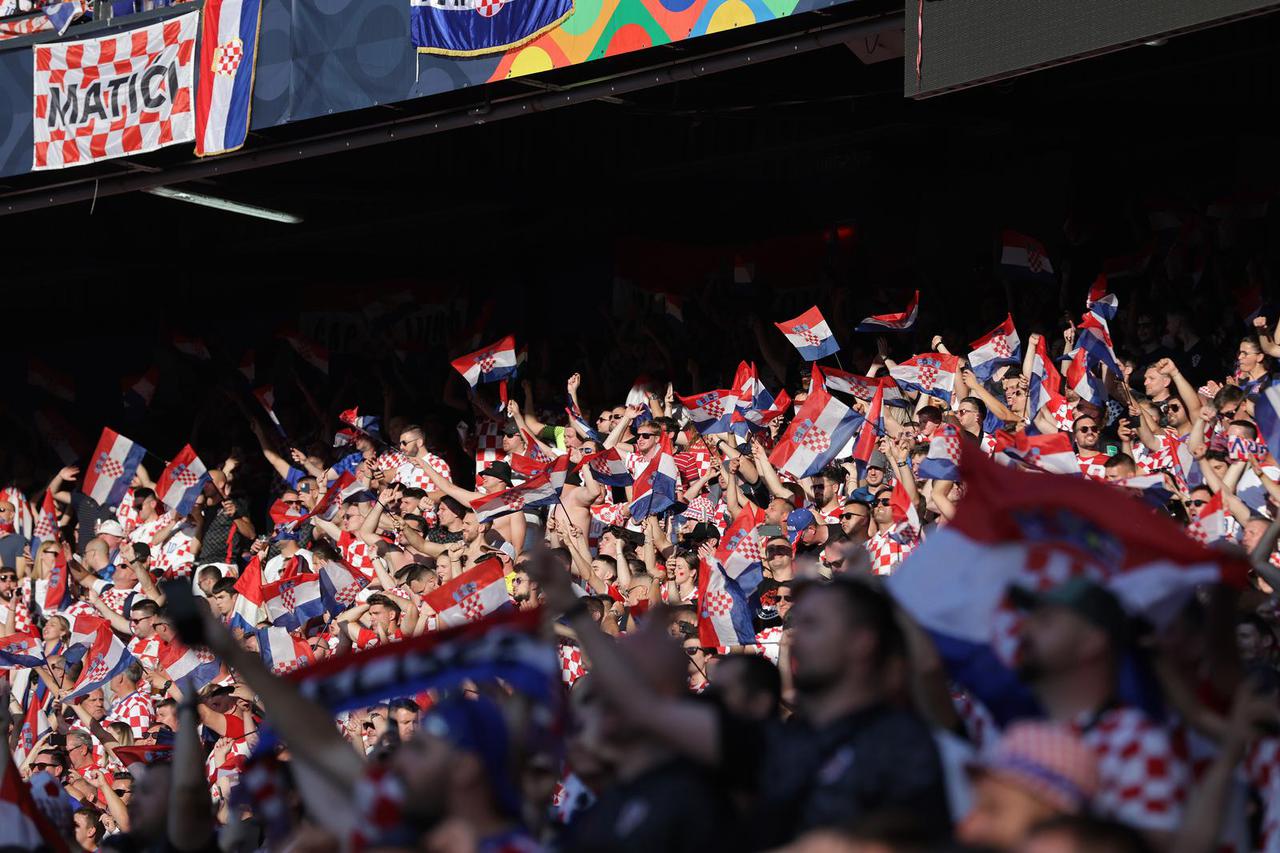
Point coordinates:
[(668, 620)]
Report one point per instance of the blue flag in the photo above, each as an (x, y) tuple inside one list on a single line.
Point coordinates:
[(473, 27)]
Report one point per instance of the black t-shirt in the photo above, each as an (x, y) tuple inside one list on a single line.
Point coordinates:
[(877, 760), (88, 513), (673, 807)]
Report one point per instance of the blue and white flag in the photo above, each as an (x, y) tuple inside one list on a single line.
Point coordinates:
[(474, 27), (224, 81)]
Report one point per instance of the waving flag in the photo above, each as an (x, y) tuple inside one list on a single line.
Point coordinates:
[(1210, 523), (1035, 532), (23, 826), (139, 391), (368, 424), (292, 602), (872, 429), (532, 493), (309, 351), (819, 430), (756, 406), (724, 614), (607, 467), (57, 592), (339, 586), (1150, 487), (997, 347), (1052, 453), (44, 377), (472, 595), (580, 423), (266, 397), (181, 482), (862, 387), (115, 460), (21, 650), (943, 459), (810, 335), (712, 411), (107, 657), (655, 488), (281, 651), (191, 669), (1045, 382), (45, 526), (1095, 339), (85, 628), (248, 610), (338, 490), (931, 374), (741, 548), (490, 364), (35, 725), (1267, 413), (899, 322), (224, 74), (1081, 379), (1100, 301), (1023, 257)]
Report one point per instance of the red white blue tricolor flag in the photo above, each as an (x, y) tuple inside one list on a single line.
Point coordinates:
[(930, 373), (475, 27), (821, 428), (712, 411), (490, 364), (224, 82), (180, 483), (1025, 257), (899, 322), (114, 462), (997, 347), (472, 595), (810, 335)]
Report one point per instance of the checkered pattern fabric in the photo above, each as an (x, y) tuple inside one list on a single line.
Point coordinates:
[(571, 666), (358, 554), (488, 445), (890, 547), (988, 444), (1144, 780), (136, 710), (768, 643), (978, 723), (115, 598), (609, 514), (413, 476), (693, 464), (176, 557), (636, 463), (700, 509), (146, 651), (1092, 465), (1064, 415), (154, 109), (125, 513), (1262, 769), (146, 531)]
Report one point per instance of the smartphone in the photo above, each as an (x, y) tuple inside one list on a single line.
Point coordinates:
[(769, 531)]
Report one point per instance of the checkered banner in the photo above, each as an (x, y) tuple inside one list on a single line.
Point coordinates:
[(116, 95)]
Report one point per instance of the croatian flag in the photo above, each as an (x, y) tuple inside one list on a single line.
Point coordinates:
[(248, 608), (1082, 380), (338, 490), (180, 483), (339, 586), (84, 630), (943, 459), (193, 347), (756, 406), (1210, 524), (741, 550), (862, 387), (819, 431), (471, 596), (711, 412), (1100, 302), (21, 650), (140, 390), (281, 651), (224, 74), (266, 397), (997, 347), (724, 614), (1150, 487), (35, 725), (1267, 413), (41, 375), (810, 335), (199, 667), (23, 825), (58, 593), (292, 602), (1045, 382), (367, 424), (581, 425), (115, 460), (490, 364), (1052, 453), (607, 467), (532, 493), (1094, 338), (932, 374), (46, 524), (899, 322), (107, 657), (1025, 257), (655, 489), (1033, 532), (309, 351)]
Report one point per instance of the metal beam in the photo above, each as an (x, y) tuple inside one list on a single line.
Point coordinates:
[(685, 68)]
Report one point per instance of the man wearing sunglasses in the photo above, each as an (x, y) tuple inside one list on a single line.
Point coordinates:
[(1087, 435)]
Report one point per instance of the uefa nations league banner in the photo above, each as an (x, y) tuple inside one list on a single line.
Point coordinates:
[(474, 27), (116, 95)]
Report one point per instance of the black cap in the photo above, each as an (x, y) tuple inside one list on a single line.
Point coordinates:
[(498, 470), (1092, 602)]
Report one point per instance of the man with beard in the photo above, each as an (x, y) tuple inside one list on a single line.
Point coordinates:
[(849, 753)]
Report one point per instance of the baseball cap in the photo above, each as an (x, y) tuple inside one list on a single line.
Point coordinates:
[(1046, 760), (498, 470), (510, 429), (1092, 602), (878, 460), (110, 527), (798, 520)]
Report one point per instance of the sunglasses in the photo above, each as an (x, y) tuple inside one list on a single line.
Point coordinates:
[(884, 502), (845, 515), (140, 620), (12, 578), (778, 552), (1196, 502), (42, 765), (405, 442), (646, 435), (1087, 429), (789, 597), (693, 650), (122, 792)]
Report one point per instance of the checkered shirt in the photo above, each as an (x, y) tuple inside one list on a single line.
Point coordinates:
[(1064, 416), (693, 464), (146, 651), (768, 643), (136, 710), (22, 621), (636, 463), (988, 444), (1144, 780), (571, 666), (115, 598), (358, 554), (1092, 465), (413, 476), (700, 509), (113, 136), (1262, 769), (146, 531), (890, 547), (125, 513), (177, 557), (488, 445), (609, 514)]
